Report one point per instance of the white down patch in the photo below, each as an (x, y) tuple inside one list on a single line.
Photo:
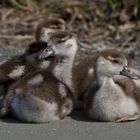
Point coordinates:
[(62, 90), (91, 71), (17, 72), (76, 63), (36, 79), (63, 72), (45, 64), (45, 34), (137, 82), (67, 107)]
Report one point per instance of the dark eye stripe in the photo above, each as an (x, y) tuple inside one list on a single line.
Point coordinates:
[(60, 35), (115, 61), (36, 46)]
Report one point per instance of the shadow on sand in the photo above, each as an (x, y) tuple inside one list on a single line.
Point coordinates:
[(77, 115)]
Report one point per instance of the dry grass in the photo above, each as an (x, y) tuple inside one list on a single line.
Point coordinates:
[(53, 6), (115, 21)]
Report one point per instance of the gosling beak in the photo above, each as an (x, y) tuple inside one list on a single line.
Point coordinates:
[(126, 72), (46, 53)]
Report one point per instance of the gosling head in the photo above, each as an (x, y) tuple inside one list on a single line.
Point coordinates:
[(64, 44), (110, 63), (47, 26), (33, 53)]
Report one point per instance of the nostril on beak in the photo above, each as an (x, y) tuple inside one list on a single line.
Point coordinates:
[(46, 53), (125, 68), (128, 73), (50, 50), (49, 46)]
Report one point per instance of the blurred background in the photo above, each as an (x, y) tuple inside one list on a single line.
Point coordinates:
[(98, 24)]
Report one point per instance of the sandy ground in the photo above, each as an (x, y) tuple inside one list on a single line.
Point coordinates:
[(75, 127)]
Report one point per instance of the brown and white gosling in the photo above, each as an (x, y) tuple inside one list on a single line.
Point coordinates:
[(19, 66), (65, 46), (39, 97), (84, 73), (113, 97)]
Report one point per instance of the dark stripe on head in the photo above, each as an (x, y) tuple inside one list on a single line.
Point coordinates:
[(36, 47)]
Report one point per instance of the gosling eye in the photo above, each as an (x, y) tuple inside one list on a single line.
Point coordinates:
[(58, 41), (115, 61), (68, 45)]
